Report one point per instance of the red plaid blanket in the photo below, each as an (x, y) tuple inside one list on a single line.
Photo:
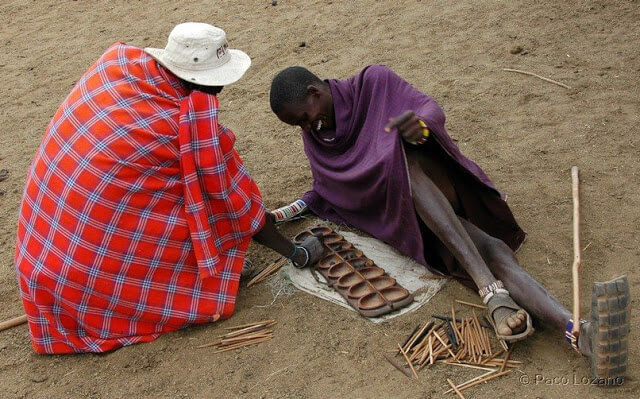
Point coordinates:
[(137, 211)]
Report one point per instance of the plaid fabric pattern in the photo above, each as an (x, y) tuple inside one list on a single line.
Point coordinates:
[(137, 211)]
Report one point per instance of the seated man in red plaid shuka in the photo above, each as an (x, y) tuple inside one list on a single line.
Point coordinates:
[(138, 212)]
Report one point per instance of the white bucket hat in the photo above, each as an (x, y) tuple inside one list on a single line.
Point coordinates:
[(199, 53)]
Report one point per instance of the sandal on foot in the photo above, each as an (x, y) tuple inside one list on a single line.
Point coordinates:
[(572, 338), (501, 300), (610, 318)]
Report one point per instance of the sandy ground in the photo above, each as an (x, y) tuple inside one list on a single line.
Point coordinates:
[(525, 132)]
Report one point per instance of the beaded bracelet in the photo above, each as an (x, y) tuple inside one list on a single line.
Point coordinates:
[(290, 211), (487, 292)]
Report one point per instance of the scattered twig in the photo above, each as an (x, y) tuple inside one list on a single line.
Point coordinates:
[(396, 365), (16, 321), (537, 76), (473, 305), (269, 376)]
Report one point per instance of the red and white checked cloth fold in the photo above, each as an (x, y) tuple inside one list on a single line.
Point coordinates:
[(137, 211)]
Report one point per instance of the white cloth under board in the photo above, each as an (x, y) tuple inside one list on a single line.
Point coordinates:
[(409, 274)]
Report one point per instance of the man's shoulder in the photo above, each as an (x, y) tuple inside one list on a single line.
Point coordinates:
[(376, 69), (378, 73)]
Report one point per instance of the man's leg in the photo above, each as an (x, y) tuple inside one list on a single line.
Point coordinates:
[(482, 256), (523, 287), (437, 212)]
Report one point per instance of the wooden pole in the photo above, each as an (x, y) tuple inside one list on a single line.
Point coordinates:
[(576, 249), (16, 321)]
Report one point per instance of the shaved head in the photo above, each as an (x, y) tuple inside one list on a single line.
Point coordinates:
[(289, 86)]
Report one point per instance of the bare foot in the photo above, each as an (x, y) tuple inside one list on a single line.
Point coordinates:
[(509, 318), (512, 322)]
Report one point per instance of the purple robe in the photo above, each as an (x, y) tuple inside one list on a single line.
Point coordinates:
[(360, 172)]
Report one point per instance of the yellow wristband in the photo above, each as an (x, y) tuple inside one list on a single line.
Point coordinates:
[(425, 129), (425, 133)]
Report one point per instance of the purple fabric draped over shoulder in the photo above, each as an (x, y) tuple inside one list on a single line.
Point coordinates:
[(360, 172)]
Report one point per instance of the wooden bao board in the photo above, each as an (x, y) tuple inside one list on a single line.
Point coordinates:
[(365, 285)]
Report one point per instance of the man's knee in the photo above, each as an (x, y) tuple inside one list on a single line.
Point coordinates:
[(496, 251)]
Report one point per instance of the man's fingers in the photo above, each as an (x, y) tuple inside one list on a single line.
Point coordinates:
[(396, 122), (409, 125), (315, 247)]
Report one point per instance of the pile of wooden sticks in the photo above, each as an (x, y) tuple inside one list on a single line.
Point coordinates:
[(267, 271), (463, 342), (244, 335)]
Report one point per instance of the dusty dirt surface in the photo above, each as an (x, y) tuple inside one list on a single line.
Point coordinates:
[(525, 132)]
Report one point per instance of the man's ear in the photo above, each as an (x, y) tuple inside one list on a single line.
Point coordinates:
[(312, 90)]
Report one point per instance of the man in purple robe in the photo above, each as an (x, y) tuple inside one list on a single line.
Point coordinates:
[(382, 162)]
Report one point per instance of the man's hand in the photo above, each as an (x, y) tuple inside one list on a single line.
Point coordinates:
[(316, 250), (408, 126)]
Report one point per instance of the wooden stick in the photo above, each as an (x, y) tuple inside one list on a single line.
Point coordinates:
[(417, 336), (396, 365), (495, 354), (462, 351), (243, 331), (484, 340), (243, 344), (472, 366), (214, 343), (233, 340), (267, 271), (269, 322), (506, 359), (475, 341), (471, 380), (576, 250), (537, 76), (484, 379), (474, 305), (444, 344), (425, 353), (486, 337), (453, 386), (440, 351), (410, 337), (498, 363), (16, 321), (453, 322), (407, 359), (430, 350), (501, 341)]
